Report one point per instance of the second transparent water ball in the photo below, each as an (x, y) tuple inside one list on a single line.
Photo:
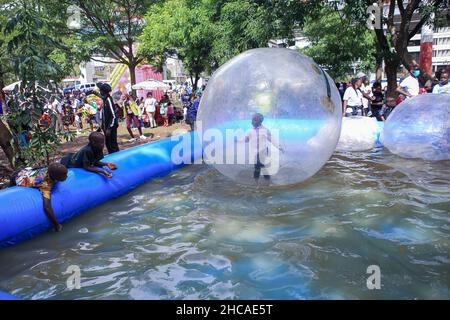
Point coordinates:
[(420, 128), (269, 115)]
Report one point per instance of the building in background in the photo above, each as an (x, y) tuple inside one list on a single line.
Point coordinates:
[(441, 47)]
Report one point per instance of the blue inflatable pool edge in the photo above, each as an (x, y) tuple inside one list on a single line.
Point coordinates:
[(7, 296), (22, 213)]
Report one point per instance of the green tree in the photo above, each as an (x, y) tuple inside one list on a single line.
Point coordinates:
[(337, 44), (206, 33), (30, 48), (392, 41), (6, 76), (182, 28), (246, 24), (111, 29)]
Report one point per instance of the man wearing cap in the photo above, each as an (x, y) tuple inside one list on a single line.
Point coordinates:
[(109, 119), (352, 105)]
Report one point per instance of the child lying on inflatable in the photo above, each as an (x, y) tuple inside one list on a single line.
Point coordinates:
[(88, 158), (43, 179)]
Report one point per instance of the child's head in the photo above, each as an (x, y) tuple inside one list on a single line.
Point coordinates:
[(391, 101), (57, 171), (257, 119), (376, 87), (97, 140)]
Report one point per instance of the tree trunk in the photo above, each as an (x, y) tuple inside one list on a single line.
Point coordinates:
[(5, 142), (194, 89), (379, 58), (132, 69), (2, 94), (391, 74), (192, 80), (379, 69)]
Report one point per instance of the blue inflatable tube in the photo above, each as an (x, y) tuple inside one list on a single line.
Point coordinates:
[(7, 296), (22, 213)]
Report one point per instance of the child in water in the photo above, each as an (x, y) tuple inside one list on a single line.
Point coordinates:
[(259, 138)]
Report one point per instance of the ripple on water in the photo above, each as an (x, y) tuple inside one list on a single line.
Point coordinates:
[(198, 235)]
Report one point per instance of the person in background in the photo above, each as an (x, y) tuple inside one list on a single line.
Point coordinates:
[(387, 108), (170, 114), (444, 85), (185, 109), (89, 157), (377, 102), (68, 116), (57, 108), (43, 179), (141, 109), (79, 119), (131, 112), (164, 114), (192, 112), (427, 87), (150, 109), (119, 111), (109, 117), (188, 88), (185, 98), (366, 92), (90, 110), (77, 101), (352, 105), (409, 87)]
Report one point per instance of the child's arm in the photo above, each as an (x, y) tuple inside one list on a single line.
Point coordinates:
[(111, 166), (274, 142), (46, 195), (97, 170), (51, 215)]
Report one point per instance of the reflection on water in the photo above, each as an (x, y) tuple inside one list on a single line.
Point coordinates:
[(196, 235)]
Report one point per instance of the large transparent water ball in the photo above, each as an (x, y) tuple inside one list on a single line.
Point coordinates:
[(420, 128), (296, 101)]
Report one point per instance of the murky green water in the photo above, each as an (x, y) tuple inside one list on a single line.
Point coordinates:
[(196, 235)]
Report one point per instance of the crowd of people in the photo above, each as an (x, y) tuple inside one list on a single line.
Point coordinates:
[(361, 99), (85, 110)]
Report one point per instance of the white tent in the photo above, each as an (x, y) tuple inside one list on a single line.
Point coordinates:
[(151, 85), (11, 86)]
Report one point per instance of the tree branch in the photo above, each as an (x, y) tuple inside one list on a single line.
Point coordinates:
[(422, 21), (390, 20), (401, 8), (103, 61)]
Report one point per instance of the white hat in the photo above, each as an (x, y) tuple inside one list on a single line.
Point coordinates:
[(360, 75)]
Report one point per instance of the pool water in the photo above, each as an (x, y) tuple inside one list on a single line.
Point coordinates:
[(197, 235)]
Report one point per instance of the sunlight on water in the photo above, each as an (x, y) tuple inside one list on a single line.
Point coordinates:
[(197, 235)]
